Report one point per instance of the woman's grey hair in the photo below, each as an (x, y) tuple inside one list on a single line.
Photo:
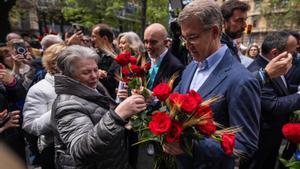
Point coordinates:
[(49, 40), (207, 11), (135, 43), (67, 57)]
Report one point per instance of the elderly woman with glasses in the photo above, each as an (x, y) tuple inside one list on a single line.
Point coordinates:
[(89, 126)]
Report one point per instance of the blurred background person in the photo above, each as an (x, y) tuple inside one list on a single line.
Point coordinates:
[(38, 105), (102, 39), (253, 51)]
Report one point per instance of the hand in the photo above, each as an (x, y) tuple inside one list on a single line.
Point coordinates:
[(75, 39), (6, 77), (145, 92), (28, 58), (279, 65), (18, 60), (14, 120), (132, 105), (102, 74), (122, 93), (3, 115), (172, 148)]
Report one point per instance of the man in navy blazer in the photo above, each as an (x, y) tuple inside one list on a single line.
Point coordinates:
[(276, 101), (215, 72)]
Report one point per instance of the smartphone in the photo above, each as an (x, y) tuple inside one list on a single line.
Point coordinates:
[(77, 27)]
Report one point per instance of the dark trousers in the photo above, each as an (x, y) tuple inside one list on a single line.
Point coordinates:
[(47, 157)]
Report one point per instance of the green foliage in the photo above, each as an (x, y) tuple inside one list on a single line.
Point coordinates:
[(92, 12), (281, 14), (292, 164)]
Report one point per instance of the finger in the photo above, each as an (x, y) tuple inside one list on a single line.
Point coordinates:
[(2, 66), (15, 125), (140, 101), (141, 106), (3, 114), (14, 113), (15, 121), (15, 117), (280, 56)]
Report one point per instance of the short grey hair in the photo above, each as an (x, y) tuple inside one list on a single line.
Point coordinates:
[(67, 57), (207, 11), (135, 42), (49, 40)]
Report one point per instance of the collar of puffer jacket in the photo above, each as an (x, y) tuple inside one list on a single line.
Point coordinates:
[(67, 85)]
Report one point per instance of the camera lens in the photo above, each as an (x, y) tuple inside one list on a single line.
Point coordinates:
[(21, 50)]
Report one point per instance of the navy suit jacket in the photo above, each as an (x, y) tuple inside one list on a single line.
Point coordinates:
[(169, 65), (240, 107), (276, 101), (293, 78)]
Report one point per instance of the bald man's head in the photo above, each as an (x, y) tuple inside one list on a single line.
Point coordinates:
[(12, 36), (157, 28), (155, 39)]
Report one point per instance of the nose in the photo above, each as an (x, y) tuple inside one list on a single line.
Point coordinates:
[(94, 74), (244, 24)]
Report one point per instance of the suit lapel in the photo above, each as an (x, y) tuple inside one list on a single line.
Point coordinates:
[(186, 81), (161, 70), (217, 76), (279, 84)]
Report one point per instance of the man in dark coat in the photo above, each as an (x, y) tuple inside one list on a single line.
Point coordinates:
[(276, 102)]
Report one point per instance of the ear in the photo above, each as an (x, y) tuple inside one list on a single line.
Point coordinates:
[(216, 31), (105, 38), (274, 52), (166, 42), (225, 24)]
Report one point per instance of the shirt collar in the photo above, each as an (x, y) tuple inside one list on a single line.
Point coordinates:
[(161, 56), (265, 58), (212, 59)]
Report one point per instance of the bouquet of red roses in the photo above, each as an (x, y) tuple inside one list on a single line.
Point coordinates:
[(291, 132), (182, 118), (132, 74)]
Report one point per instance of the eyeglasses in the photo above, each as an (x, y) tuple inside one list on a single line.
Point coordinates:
[(192, 39)]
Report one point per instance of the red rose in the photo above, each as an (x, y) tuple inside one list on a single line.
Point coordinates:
[(207, 129), (125, 71), (176, 99), (227, 143), (189, 104), (123, 58), (291, 131), (195, 95), (160, 123), (125, 79), (174, 132), (162, 91), (137, 70), (133, 60), (147, 66), (204, 110)]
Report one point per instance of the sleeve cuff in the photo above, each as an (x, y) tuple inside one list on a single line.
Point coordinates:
[(117, 118)]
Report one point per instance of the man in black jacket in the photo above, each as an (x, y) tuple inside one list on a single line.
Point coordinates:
[(163, 63), (276, 101)]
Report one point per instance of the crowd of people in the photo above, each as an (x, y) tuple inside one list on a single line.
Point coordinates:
[(62, 104)]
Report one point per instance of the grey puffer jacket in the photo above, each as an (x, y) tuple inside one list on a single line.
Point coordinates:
[(89, 134)]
